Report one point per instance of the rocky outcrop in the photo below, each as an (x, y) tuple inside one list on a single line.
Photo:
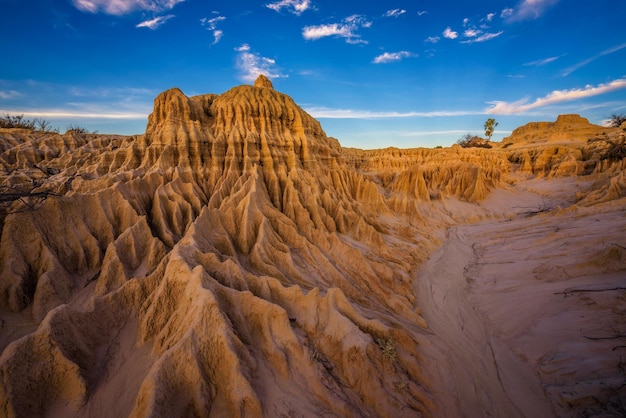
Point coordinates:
[(566, 129), (219, 251), (430, 174), (233, 260)]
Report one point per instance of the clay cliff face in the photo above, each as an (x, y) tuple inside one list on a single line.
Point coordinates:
[(233, 260), (223, 245)]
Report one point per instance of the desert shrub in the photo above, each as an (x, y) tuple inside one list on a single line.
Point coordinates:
[(78, 129), (18, 121), (616, 120), (473, 141), (388, 347)]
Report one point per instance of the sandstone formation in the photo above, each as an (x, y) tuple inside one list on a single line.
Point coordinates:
[(236, 261)]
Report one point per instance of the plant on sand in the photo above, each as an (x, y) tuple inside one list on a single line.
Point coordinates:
[(388, 347)]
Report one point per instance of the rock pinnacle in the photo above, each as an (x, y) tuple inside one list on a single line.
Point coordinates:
[(263, 81)]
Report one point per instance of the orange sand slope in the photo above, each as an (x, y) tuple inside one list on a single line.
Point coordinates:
[(235, 261)]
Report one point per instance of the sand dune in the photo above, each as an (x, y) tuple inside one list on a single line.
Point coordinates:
[(235, 261)]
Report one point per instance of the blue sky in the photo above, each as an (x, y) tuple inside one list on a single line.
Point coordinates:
[(376, 74)]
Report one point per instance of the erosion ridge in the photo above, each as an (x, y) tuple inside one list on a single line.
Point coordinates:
[(236, 260)]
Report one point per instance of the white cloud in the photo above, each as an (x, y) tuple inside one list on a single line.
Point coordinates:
[(471, 33), (217, 36), (490, 17), (296, 7), (575, 67), (388, 57), (321, 31), (394, 13), (422, 12), (211, 25), (530, 9), (251, 65), (346, 29), (450, 34), (328, 113), (483, 38), (432, 39), (506, 13), (121, 7), (154, 23), (9, 94), (557, 96), (465, 22)]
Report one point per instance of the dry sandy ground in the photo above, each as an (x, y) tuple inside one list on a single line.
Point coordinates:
[(523, 310)]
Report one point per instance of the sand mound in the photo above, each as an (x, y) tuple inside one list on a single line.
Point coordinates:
[(235, 261)]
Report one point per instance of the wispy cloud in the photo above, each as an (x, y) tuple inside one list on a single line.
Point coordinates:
[(446, 132), (450, 34), (56, 113), (328, 113), (388, 57), (251, 65), (529, 9), (474, 32), (296, 7), (211, 25), (556, 97), (347, 29), (122, 7), (541, 62), (422, 13), (482, 38), (117, 93), (581, 64), (432, 39), (508, 12), (9, 94), (394, 13), (58, 101), (154, 23), (217, 36)]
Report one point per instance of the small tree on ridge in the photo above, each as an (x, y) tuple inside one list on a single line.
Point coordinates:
[(490, 125)]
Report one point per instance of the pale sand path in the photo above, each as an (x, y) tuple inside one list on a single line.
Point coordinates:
[(505, 341)]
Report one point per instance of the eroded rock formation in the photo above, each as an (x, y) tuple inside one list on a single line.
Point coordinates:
[(233, 260)]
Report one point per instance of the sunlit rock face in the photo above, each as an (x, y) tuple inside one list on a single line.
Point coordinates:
[(235, 261)]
